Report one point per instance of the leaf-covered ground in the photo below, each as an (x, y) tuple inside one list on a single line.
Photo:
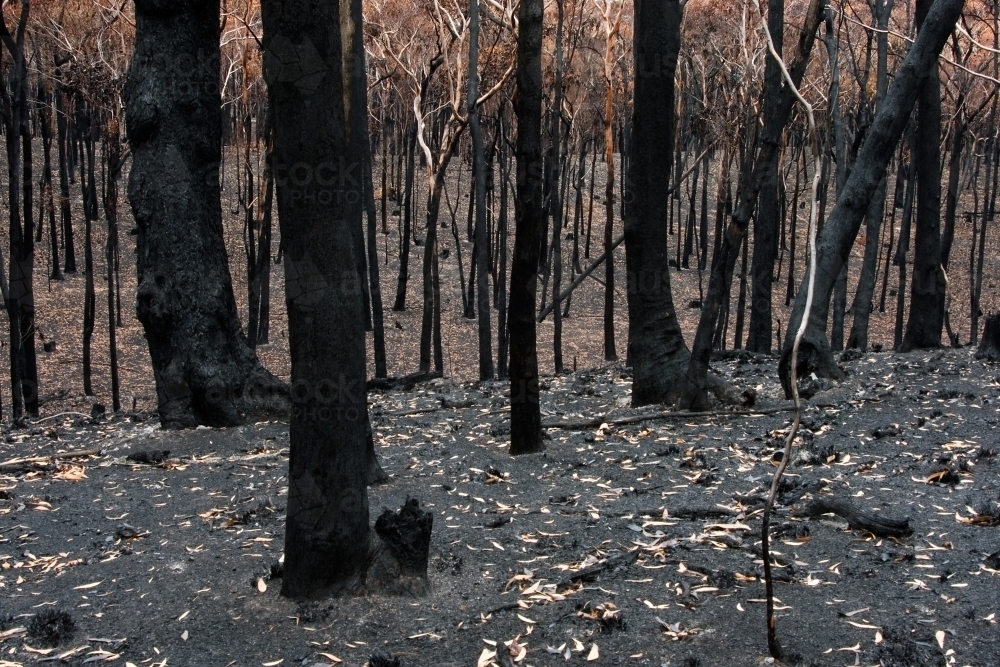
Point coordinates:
[(633, 540)]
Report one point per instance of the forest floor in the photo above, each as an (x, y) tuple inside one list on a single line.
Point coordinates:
[(632, 540)]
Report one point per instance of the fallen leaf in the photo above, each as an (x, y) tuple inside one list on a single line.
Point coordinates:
[(261, 584), (594, 653), (485, 657), (939, 636), (85, 587), (864, 626)]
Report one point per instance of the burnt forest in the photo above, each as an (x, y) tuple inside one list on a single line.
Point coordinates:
[(500, 333)]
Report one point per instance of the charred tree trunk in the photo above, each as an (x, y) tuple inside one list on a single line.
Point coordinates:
[(765, 224), (525, 411), (329, 548), (204, 370), (899, 259), (923, 328), (656, 344)]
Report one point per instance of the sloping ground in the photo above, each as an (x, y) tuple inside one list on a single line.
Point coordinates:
[(632, 541)]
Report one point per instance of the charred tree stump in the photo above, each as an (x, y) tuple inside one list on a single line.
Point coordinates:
[(401, 554), (989, 344)]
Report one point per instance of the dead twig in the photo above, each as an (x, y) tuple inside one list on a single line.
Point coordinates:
[(51, 457)]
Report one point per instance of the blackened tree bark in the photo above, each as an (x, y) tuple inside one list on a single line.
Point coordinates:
[(765, 224), (329, 548), (656, 344), (204, 370), (525, 411), (923, 328), (842, 226)]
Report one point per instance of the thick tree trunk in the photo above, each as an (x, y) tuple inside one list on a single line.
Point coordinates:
[(656, 344), (525, 411), (204, 370), (923, 328), (837, 237), (328, 544)]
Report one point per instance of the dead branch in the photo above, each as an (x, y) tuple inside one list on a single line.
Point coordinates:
[(666, 414), (52, 457), (859, 519)]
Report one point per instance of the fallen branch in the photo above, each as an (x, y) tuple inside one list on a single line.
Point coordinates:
[(405, 383), (61, 414), (666, 414), (859, 519), (45, 459), (579, 279)]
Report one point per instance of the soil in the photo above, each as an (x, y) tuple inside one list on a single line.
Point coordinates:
[(172, 563)]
